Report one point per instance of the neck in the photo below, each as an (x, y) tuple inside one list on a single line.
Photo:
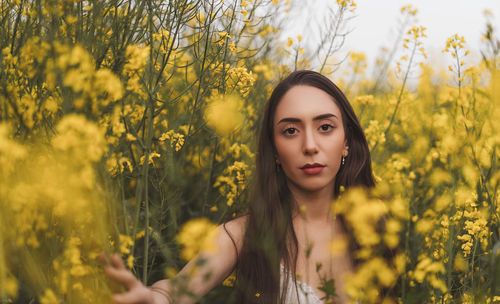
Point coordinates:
[(314, 206)]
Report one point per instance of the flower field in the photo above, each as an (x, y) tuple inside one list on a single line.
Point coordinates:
[(130, 127)]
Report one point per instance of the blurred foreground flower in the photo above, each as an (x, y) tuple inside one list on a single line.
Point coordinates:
[(223, 114), (61, 216), (195, 236)]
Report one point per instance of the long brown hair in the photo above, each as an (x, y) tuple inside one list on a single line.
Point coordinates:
[(270, 237)]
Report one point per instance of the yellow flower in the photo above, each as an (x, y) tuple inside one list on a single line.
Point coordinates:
[(130, 261), (109, 83), (197, 235), (350, 4), (78, 287), (51, 105), (229, 281), (137, 57), (151, 158), (11, 287), (125, 244), (84, 139), (424, 226), (224, 115), (175, 139), (224, 35), (232, 47), (10, 150), (49, 297), (409, 9), (365, 100), (142, 233), (459, 264), (338, 246), (130, 137)]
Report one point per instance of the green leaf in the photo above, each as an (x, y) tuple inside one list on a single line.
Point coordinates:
[(328, 287)]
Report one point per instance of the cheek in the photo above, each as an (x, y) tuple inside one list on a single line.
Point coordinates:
[(339, 147), (335, 149), (284, 151)]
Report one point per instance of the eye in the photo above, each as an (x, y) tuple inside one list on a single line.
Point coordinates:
[(326, 127), (290, 131)]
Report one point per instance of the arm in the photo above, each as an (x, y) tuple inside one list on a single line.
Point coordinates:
[(200, 279)]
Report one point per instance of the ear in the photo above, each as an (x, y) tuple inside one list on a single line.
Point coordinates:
[(345, 151)]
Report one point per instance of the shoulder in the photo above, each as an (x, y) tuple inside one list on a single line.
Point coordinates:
[(236, 225), (235, 230)]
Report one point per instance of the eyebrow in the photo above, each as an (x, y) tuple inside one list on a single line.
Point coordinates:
[(319, 117)]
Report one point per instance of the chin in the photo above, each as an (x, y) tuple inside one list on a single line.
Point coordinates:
[(313, 187)]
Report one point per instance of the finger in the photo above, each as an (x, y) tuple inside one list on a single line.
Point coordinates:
[(123, 298), (134, 297), (102, 258), (122, 276), (116, 261)]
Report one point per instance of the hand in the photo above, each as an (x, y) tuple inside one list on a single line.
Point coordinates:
[(136, 292)]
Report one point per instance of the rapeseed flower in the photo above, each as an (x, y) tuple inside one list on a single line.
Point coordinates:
[(197, 235), (434, 158), (223, 114), (80, 137)]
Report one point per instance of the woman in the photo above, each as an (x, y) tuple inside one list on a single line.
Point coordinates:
[(310, 145)]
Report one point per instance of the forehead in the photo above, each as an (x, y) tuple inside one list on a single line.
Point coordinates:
[(304, 101)]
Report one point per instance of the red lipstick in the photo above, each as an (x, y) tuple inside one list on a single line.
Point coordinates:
[(313, 169)]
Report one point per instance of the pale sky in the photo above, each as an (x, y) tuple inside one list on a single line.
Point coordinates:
[(376, 21)]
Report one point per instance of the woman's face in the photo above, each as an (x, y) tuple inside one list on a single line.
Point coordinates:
[(310, 139)]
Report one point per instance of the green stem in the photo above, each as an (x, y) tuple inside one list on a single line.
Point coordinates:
[(474, 249), (210, 176), (333, 39), (148, 144), (200, 83), (3, 272), (400, 96), (458, 74)]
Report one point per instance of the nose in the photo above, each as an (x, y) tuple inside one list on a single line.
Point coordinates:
[(310, 146)]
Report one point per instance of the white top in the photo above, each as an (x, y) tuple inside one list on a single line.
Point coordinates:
[(304, 294)]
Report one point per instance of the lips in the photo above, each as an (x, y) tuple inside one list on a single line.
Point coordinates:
[(312, 169)]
